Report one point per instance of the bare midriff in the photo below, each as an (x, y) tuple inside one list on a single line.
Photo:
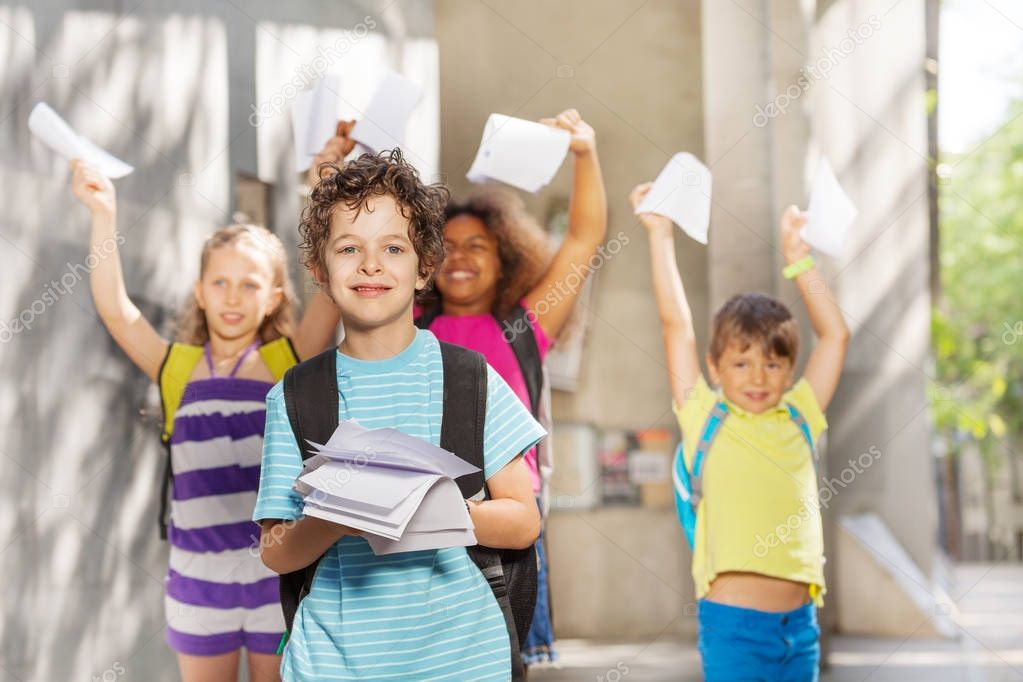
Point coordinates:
[(757, 591)]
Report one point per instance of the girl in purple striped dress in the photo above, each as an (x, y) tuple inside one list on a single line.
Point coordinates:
[(220, 597)]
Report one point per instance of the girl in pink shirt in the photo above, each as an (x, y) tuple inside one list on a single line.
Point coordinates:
[(499, 280)]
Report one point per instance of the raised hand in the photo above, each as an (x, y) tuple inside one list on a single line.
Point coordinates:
[(584, 139), (335, 151), (792, 245), (655, 224), (93, 189)]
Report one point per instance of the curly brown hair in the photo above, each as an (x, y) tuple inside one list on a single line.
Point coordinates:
[(351, 186), (522, 244), (747, 319), (191, 324)]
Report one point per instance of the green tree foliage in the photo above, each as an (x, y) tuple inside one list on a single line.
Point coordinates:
[(978, 322)]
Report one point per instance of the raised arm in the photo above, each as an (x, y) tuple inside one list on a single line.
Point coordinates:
[(676, 319), (132, 332), (587, 223), (317, 329), (824, 366)]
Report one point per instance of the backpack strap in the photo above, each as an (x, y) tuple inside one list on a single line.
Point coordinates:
[(311, 399), (711, 428), (172, 379), (804, 428), (175, 371), (465, 412), (279, 356), (517, 331)]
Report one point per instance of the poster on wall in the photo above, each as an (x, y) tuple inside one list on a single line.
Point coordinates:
[(635, 468)]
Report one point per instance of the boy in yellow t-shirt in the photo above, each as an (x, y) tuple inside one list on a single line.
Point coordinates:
[(758, 549)]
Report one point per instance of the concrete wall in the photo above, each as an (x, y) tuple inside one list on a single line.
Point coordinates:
[(167, 86), (869, 118), (633, 71)]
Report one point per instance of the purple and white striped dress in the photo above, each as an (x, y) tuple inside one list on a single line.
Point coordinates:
[(220, 597)]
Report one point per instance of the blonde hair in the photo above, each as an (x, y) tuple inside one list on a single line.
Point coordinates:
[(191, 324)]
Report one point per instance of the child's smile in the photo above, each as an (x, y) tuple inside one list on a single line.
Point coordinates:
[(750, 379), (372, 267)]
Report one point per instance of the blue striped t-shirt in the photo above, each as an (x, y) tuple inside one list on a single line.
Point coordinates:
[(427, 615)]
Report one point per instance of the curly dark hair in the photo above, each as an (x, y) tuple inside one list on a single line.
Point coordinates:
[(351, 185), (522, 245), (755, 318)]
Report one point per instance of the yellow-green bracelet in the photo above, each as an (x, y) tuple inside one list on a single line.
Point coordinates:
[(798, 268)]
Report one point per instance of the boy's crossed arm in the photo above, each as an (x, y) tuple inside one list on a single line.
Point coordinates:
[(676, 319), (824, 367), (287, 546)]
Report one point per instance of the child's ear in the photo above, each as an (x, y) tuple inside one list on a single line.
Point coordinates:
[(712, 370), (276, 298), (197, 292), (423, 278), (317, 275)]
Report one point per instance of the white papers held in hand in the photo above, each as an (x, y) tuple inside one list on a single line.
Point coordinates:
[(397, 489), (314, 116), (829, 214), (383, 124), (48, 126), (521, 153), (682, 192)]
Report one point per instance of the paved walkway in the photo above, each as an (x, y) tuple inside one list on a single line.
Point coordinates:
[(989, 647)]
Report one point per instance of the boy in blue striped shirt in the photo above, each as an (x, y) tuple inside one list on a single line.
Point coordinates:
[(373, 236)]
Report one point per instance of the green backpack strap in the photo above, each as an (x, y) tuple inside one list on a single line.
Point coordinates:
[(173, 378), (175, 372), (279, 356)]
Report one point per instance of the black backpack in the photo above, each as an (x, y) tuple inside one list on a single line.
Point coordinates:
[(311, 398)]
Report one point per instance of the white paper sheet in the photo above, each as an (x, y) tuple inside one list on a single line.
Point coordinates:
[(373, 485), (315, 112), (382, 126), (394, 448), (49, 127), (829, 214), (441, 521), (682, 192), (397, 489), (521, 153), (412, 541)]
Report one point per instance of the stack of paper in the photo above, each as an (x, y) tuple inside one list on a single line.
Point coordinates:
[(314, 117), (682, 193), (316, 111), (49, 127), (382, 126), (520, 153), (830, 213), (397, 489)]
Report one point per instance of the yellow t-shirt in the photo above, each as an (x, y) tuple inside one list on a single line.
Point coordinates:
[(759, 512)]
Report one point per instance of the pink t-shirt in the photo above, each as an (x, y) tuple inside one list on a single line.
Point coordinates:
[(483, 334)]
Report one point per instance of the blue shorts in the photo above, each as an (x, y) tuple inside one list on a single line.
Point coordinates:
[(752, 646)]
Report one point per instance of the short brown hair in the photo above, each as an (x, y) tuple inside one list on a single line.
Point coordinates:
[(387, 173), (755, 318)]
